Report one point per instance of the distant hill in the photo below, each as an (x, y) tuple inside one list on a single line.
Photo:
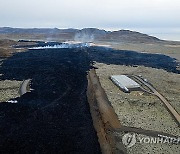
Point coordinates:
[(9, 30), (86, 34), (132, 36)]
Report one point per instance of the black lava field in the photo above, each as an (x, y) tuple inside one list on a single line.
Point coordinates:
[(55, 116)]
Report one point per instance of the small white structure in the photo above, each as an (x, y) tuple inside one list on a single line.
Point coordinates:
[(124, 82)]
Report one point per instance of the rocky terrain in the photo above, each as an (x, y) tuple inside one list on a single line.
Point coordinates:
[(53, 110), (55, 116)]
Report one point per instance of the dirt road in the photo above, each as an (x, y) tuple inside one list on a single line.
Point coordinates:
[(169, 107)]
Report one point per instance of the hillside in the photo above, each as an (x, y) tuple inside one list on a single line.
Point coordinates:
[(86, 34)]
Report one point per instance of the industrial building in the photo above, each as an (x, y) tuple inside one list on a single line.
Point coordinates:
[(124, 82)]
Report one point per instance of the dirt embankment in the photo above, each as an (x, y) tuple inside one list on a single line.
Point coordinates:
[(104, 117)]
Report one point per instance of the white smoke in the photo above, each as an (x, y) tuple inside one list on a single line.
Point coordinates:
[(83, 37), (64, 45)]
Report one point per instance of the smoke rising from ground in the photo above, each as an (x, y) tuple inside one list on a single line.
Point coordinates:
[(83, 37), (63, 45)]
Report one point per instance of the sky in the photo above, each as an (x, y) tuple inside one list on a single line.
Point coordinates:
[(149, 16)]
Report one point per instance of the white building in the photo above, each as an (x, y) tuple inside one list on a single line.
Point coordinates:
[(124, 82)]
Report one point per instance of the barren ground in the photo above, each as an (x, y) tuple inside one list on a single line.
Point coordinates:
[(142, 110)]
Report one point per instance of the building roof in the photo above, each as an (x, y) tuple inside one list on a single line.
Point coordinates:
[(124, 82)]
